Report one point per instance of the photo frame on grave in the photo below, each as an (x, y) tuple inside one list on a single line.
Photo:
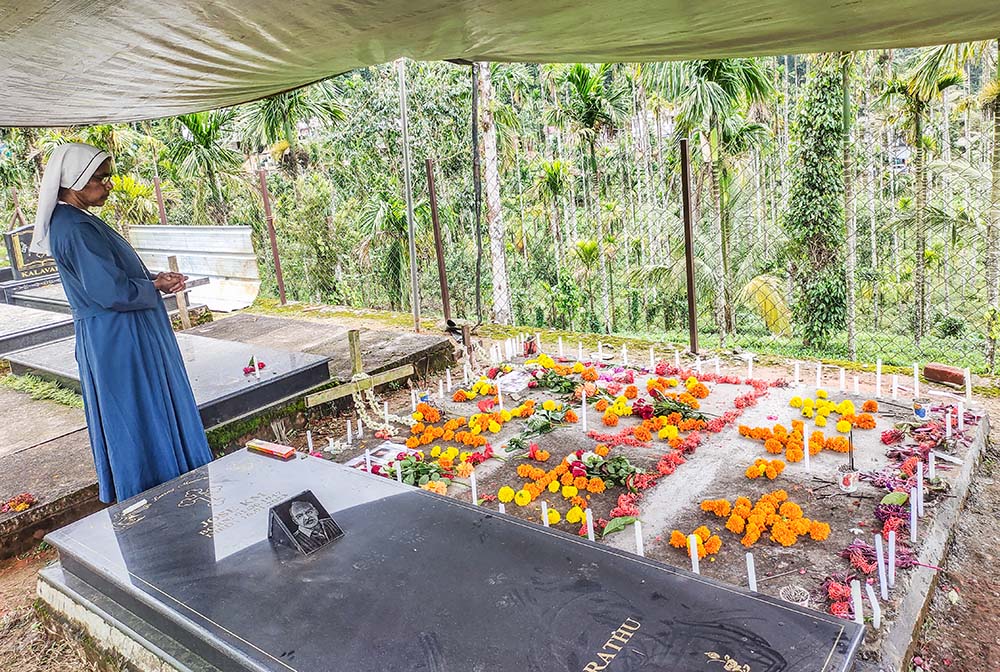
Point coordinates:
[(24, 263), (303, 524)]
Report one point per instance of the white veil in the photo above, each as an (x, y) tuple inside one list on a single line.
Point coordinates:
[(70, 167)]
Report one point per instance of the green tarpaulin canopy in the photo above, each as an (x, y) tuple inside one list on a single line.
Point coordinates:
[(72, 62)]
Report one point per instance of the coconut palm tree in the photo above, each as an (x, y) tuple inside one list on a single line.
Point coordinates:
[(594, 105), (707, 92), (915, 92)]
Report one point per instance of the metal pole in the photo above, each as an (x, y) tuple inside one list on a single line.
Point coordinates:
[(689, 245), (407, 185), (159, 200), (271, 233), (438, 245), (477, 191)]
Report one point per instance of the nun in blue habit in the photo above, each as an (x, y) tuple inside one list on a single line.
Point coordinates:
[(143, 422)]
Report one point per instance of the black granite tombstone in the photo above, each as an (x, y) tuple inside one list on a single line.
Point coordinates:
[(215, 367), (418, 582), (23, 262)]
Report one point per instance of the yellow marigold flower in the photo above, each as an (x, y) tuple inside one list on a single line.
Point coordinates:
[(554, 485), (796, 402), (549, 405), (436, 451), (505, 415), (807, 412), (554, 516), (843, 426), (494, 427), (570, 491), (522, 498), (574, 515), (822, 394), (690, 382), (808, 403), (464, 456), (476, 430), (672, 382), (506, 494), (821, 421), (418, 416), (577, 368)]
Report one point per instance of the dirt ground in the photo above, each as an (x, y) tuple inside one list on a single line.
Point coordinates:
[(962, 630)]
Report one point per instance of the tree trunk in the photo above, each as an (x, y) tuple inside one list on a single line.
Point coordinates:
[(502, 312), (920, 263), (721, 302), (850, 221), (605, 289)]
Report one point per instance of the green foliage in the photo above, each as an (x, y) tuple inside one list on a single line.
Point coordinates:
[(39, 389), (814, 222)]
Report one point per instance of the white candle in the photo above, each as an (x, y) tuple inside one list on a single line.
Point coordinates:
[(385, 407), (891, 558), (677, 359), (624, 355), (751, 573), (545, 514), (749, 367), (652, 359), (916, 381), (717, 366), (399, 471), (947, 426), (931, 466), (961, 417), (368, 461), (465, 374), (857, 385), (441, 390), (329, 444), (600, 350), (878, 379), (819, 375), (895, 386), (583, 411), (413, 401), (579, 351), (880, 559), (805, 453), (499, 395), (913, 515), (697, 363), (560, 347), (693, 552), (447, 379), (256, 367), (876, 608), (590, 524), (798, 370), (538, 341), (309, 439), (350, 437), (859, 610), (361, 431), (920, 489), (502, 508), (475, 488), (843, 380), (640, 548), (968, 386)]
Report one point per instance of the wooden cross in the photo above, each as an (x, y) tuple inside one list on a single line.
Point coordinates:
[(355, 386)]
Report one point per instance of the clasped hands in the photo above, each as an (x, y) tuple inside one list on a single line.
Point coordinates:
[(170, 283)]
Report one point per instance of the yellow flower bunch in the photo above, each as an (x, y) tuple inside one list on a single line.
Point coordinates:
[(575, 515), (668, 432), (578, 368), (690, 382), (438, 487), (554, 516), (506, 494), (545, 361), (550, 405), (522, 497)]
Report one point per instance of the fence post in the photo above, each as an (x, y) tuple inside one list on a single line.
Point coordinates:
[(271, 233), (438, 245), (689, 246), (159, 200), (182, 308)]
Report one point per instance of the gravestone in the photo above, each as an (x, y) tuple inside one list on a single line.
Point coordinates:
[(418, 582), (24, 263)]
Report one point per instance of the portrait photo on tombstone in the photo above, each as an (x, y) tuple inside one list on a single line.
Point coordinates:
[(305, 523)]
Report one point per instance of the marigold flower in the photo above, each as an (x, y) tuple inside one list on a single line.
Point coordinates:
[(412, 442), (602, 450), (589, 375), (795, 455), (595, 485), (464, 470), (533, 490), (819, 531), (669, 432), (864, 421), (610, 419), (699, 391), (566, 478), (571, 416), (713, 544), (801, 526), (790, 510), (553, 485), (522, 497), (822, 394), (703, 532), (870, 406), (774, 446), (678, 539), (524, 470), (579, 501), (751, 536), (446, 463), (554, 516), (601, 405), (795, 402), (574, 515), (642, 434), (570, 491), (581, 482), (821, 421), (735, 524)]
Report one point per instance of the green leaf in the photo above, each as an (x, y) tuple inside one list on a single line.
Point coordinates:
[(424, 480), (617, 525), (897, 498)]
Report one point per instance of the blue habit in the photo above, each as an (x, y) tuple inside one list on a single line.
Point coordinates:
[(143, 421)]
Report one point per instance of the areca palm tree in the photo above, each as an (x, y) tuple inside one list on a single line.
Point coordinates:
[(383, 224), (595, 104), (274, 120), (551, 186), (915, 92), (199, 147), (707, 92)]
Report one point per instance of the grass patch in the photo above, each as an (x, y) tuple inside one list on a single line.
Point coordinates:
[(42, 390)]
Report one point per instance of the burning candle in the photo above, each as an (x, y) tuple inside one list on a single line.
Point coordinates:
[(961, 417), (857, 385), (583, 411), (947, 426), (652, 359), (692, 551), (502, 508), (751, 573)]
